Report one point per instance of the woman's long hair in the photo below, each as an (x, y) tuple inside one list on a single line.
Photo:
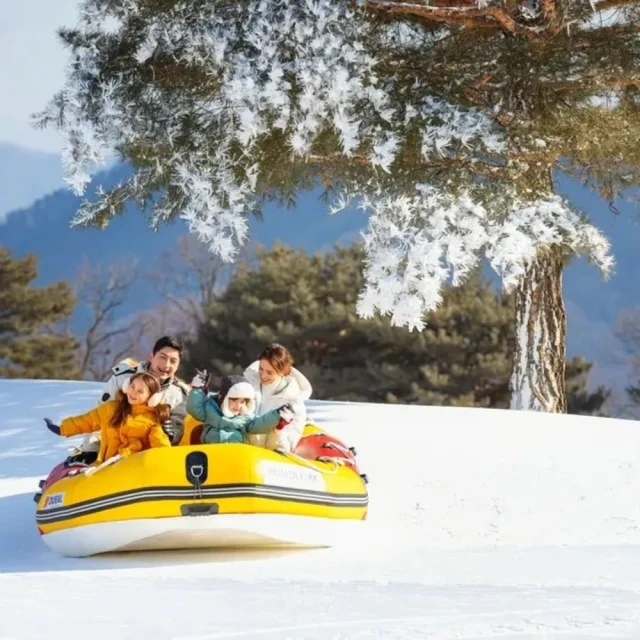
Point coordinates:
[(123, 409), (279, 357)]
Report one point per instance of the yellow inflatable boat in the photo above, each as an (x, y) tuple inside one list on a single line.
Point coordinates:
[(199, 496)]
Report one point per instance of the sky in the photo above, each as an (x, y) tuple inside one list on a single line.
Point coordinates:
[(32, 63)]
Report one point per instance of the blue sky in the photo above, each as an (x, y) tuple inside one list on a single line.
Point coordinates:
[(32, 63)]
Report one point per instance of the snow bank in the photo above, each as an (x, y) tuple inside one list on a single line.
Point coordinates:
[(472, 477), (454, 477), (483, 524)]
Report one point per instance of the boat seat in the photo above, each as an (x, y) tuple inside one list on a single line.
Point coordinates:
[(196, 434)]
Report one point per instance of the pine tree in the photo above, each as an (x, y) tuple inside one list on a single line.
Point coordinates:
[(30, 346), (284, 293), (446, 120), (633, 392), (579, 400), (463, 357)]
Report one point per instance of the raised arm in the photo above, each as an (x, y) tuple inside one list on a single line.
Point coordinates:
[(196, 401), (85, 423), (252, 374), (305, 386)]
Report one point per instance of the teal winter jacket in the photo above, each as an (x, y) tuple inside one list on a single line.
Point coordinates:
[(220, 429)]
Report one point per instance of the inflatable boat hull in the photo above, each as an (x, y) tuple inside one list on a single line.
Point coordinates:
[(234, 531), (201, 496)]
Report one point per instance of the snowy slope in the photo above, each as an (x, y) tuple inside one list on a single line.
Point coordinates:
[(483, 524)]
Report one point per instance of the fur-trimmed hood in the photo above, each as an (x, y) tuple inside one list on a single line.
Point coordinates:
[(236, 387)]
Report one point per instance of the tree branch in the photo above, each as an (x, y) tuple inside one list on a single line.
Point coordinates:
[(458, 12), (548, 8), (191, 280), (442, 163), (613, 4), (104, 293)]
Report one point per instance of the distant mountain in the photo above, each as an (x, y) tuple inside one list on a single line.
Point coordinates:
[(25, 176), (44, 229), (592, 304)]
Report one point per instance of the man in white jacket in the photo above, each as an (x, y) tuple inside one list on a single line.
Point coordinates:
[(278, 382)]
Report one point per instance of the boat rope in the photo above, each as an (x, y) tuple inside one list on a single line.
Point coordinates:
[(196, 476), (342, 449), (309, 463), (89, 470)]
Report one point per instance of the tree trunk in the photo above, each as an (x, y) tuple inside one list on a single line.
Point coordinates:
[(538, 376)]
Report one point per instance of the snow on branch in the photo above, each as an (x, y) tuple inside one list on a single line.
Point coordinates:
[(529, 227), (195, 92), (300, 68), (414, 245)]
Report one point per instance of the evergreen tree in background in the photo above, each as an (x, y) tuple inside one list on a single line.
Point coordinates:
[(633, 392), (30, 347), (463, 357), (579, 399)]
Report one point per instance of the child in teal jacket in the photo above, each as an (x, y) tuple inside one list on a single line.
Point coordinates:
[(229, 415)]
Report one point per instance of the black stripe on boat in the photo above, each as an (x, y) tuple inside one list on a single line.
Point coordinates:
[(132, 496)]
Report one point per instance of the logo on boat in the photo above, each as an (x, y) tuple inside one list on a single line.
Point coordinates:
[(286, 475), (53, 500)]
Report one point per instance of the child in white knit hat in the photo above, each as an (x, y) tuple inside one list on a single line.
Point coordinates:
[(230, 414)]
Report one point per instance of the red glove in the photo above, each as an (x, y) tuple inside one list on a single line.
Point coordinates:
[(286, 414)]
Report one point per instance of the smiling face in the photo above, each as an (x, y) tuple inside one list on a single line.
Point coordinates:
[(268, 374), (138, 392), (238, 405), (164, 363)]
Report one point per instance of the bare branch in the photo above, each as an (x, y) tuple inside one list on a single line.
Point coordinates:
[(190, 281), (441, 163), (627, 331), (108, 338)]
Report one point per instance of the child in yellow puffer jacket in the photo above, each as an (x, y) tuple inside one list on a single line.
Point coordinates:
[(129, 424)]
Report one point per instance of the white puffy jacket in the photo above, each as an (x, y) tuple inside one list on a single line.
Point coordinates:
[(293, 389)]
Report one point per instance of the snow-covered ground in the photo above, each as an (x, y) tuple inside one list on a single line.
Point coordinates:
[(483, 524)]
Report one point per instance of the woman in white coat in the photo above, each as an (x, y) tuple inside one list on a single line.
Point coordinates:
[(278, 382)]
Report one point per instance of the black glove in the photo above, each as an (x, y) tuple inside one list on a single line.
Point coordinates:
[(82, 459), (54, 428)]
